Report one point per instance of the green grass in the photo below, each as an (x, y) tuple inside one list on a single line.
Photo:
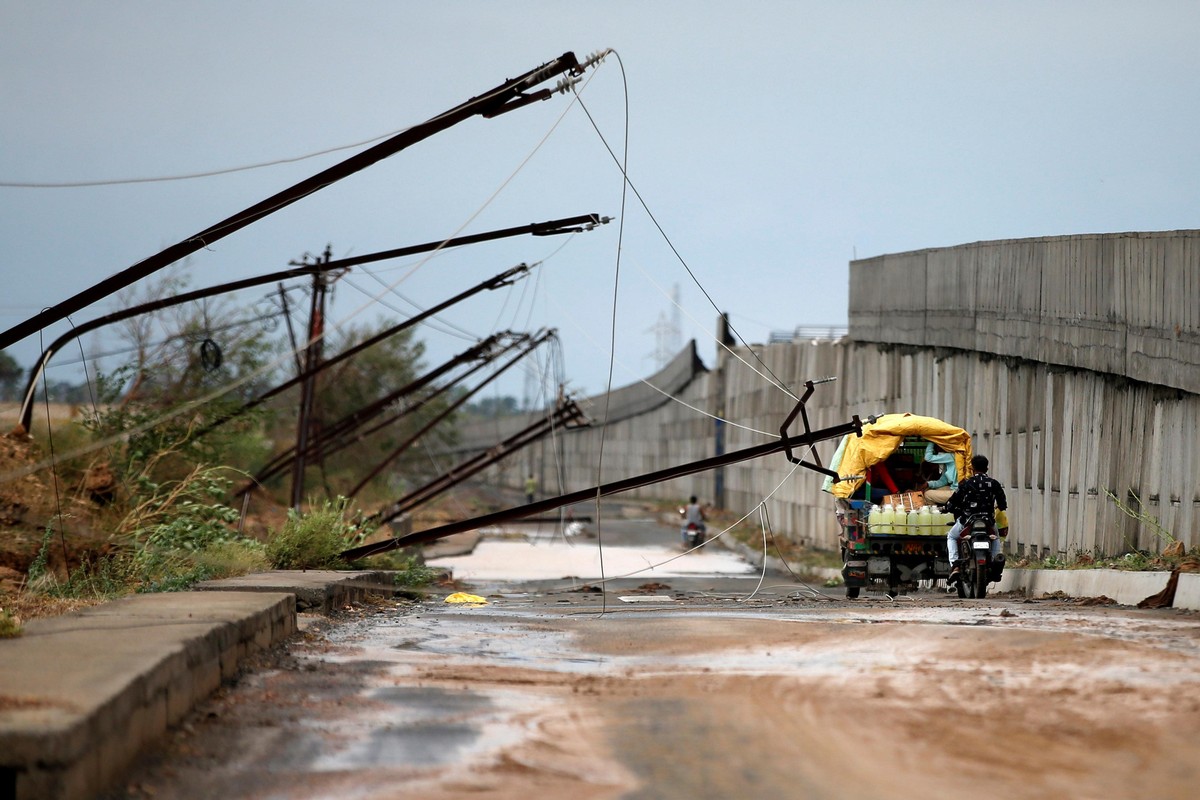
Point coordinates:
[(314, 540), (10, 626)]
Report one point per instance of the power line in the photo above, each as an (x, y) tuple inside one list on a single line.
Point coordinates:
[(192, 175)]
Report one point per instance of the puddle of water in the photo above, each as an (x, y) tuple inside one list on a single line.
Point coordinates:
[(421, 727), (553, 560), (424, 745), (420, 703)]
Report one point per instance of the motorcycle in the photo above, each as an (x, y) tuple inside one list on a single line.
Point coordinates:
[(692, 533), (976, 566)]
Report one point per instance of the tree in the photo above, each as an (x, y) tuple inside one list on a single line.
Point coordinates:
[(184, 351), (10, 376), (490, 407)]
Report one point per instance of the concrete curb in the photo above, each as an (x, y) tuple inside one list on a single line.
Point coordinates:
[(82, 694), (315, 590), (1187, 593), (1127, 588)]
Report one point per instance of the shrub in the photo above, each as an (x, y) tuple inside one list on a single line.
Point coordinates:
[(414, 573), (313, 540), (10, 626)]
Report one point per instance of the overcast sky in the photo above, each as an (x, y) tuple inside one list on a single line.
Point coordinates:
[(772, 141)]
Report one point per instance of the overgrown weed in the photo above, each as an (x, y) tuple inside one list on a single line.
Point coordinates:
[(315, 540), (10, 624)]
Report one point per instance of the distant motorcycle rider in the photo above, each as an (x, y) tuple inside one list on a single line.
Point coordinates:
[(693, 514), (978, 494)]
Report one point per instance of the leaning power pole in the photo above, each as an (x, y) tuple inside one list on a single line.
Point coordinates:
[(307, 425)]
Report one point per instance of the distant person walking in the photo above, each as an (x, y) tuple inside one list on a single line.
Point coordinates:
[(530, 488)]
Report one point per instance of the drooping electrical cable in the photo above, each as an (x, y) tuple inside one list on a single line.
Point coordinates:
[(625, 175), (159, 342), (612, 345), (194, 175), (668, 395), (711, 539), (714, 338), (433, 323)]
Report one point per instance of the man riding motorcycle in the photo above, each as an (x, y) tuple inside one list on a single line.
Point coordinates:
[(978, 494), (693, 514)]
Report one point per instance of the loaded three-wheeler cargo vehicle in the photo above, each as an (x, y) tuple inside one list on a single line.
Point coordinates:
[(891, 536)]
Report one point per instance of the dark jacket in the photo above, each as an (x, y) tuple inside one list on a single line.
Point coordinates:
[(980, 493)]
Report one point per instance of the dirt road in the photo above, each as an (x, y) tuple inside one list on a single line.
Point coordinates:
[(695, 694)]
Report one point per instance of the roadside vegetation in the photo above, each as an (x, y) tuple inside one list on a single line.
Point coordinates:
[(144, 487)]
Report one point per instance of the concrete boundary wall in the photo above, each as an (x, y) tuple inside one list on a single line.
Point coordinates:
[(1124, 304), (1073, 362), (1060, 440)]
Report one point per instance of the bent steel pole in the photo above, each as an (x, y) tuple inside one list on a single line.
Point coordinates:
[(567, 415), (505, 97), (428, 426), (503, 279), (38, 370), (346, 425), (616, 487), (575, 224)]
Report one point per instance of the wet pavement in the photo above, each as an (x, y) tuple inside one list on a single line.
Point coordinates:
[(696, 675)]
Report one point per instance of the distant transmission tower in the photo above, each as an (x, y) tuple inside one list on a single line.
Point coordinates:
[(667, 332), (533, 386)]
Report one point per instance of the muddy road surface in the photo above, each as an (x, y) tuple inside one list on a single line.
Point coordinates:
[(689, 684)]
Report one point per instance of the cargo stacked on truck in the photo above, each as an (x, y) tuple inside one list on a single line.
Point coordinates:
[(892, 482)]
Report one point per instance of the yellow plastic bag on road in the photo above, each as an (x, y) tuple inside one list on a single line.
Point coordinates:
[(463, 597)]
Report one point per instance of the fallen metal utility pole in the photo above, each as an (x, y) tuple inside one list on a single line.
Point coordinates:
[(503, 279), (785, 444), (505, 97), (575, 224), (566, 415), (428, 426), (335, 435)]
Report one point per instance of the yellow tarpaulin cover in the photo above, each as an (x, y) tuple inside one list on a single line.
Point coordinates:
[(463, 597), (881, 438)]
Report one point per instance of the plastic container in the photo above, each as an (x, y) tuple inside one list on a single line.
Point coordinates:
[(925, 525), (875, 520)]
